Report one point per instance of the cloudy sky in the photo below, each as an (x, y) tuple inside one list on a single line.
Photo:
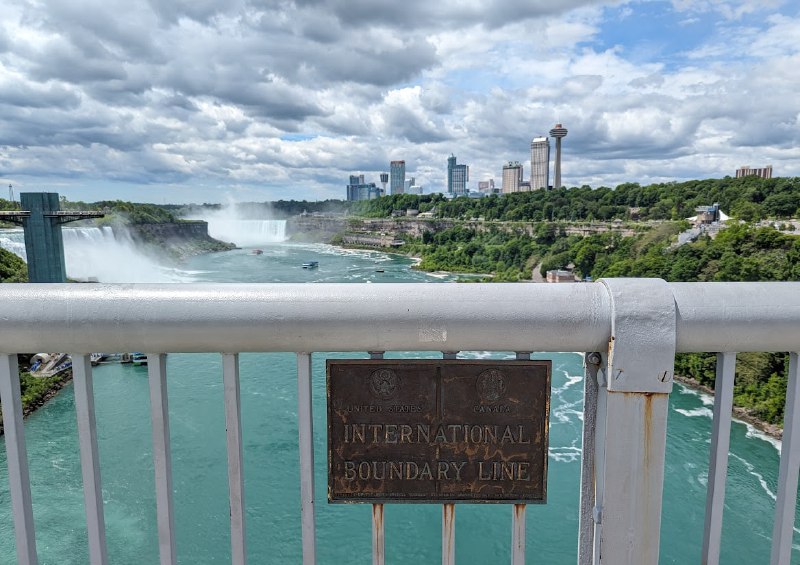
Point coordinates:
[(253, 100)]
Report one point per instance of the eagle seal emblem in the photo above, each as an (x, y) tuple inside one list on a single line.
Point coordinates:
[(384, 384), (491, 385)]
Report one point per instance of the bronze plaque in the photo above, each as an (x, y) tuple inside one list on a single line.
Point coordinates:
[(438, 430)]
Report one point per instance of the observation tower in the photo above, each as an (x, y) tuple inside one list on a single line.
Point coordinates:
[(558, 132), (384, 180)]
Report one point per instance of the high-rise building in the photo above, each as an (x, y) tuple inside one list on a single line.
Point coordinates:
[(359, 189), (512, 177), (384, 180), (558, 132), (540, 163), (746, 171), (457, 177), (486, 186), (397, 176)]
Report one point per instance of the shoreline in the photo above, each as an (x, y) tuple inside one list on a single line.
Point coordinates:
[(416, 260), (54, 388), (772, 430)]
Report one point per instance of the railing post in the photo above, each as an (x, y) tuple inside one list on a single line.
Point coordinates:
[(599, 453), (449, 511), (17, 456), (306, 430), (718, 462), (90, 458), (518, 510), (448, 534), (162, 459), (233, 433), (641, 357), (378, 535), (589, 495), (786, 502)]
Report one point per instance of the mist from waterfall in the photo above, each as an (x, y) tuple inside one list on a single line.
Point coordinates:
[(13, 240), (111, 256), (229, 224), (101, 254)]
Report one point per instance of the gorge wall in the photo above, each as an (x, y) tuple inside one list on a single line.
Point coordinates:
[(179, 239)]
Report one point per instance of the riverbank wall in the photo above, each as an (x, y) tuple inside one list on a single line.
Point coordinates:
[(313, 228), (325, 229)]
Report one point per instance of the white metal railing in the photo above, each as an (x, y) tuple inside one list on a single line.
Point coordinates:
[(630, 329)]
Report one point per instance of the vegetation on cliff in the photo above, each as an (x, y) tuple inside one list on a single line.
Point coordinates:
[(747, 198), (740, 252), (130, 212), (12, 268), (760, 384), (506, 255)]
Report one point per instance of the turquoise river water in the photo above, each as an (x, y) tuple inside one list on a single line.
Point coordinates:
[(269, 415)]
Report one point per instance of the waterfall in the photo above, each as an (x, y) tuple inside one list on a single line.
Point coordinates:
[(13, 240), (100, 254), (246, 233)]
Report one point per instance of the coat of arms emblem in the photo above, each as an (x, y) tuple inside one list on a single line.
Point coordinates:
[(384, 384), (491, 385)]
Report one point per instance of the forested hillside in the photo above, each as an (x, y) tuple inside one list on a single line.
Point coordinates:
[(741, 251)]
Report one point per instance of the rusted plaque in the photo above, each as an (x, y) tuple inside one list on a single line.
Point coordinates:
[(438, 430)]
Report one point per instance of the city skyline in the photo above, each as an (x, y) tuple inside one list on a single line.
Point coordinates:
[(512, 175), (249, 101)]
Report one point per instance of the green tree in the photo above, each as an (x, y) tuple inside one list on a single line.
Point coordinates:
[(12, 268)]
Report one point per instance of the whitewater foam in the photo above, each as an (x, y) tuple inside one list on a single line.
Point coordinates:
[(752, 471), (696, 412)]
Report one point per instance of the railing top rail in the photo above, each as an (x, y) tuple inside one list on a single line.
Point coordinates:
[(737, 316), (378, 317)]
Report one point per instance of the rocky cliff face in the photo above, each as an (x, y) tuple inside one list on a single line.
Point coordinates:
[(179, 239), (314, 228), (324, 228), (190, 229)]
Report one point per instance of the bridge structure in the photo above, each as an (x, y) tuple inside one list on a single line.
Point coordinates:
[(629, 329), (41, 217)]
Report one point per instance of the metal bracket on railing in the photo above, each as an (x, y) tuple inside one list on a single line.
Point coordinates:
[(596, 359), (632, 421), (641, 352)]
